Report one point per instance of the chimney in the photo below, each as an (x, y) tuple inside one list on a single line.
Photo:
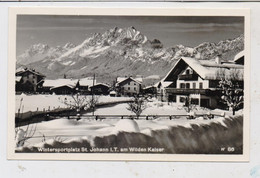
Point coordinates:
[(218, 59)]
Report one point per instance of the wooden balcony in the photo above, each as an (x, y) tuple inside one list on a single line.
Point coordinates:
[(185, 91), (188, 77)]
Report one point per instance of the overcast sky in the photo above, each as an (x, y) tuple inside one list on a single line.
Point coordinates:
[(189, 31)]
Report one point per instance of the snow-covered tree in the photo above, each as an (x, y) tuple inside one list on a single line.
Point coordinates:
[(137, 106), (232, 91), (232, 95)]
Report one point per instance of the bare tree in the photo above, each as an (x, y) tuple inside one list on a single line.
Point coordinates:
[(80, 102), (188, 106), (137, 106), (21, 135)]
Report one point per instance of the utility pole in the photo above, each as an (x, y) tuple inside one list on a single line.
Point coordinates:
[(92, 102)]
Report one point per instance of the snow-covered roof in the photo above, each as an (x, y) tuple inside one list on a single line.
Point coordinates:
[(70, 86), (153, 77), (239, 55), (60, 82), (101, 84), (209, 69), (163, 83), (88, 81), (18, 78), (112, 92), (145, 88), (22, 70), (137, 80)]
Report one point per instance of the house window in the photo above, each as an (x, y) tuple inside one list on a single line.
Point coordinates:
[(182, 85), (201, 85), (194, 101), (187, 71), (134, 89), (187, 85), (193, 85), (182, 99), (134, 83), (128, 88)]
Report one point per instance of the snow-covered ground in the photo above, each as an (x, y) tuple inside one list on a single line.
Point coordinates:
[(32, 102), (40, 102), (65, 130), (88, 128), (159, 108)]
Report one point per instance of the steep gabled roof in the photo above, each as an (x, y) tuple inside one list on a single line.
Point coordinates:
[(18, 78), (21, 71), (128, 78), (206, 69), (162, 84), (240, 57)]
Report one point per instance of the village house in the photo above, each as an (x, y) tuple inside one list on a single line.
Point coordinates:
[(199, 80), (150, 90), (28, 80), (129, 86), (59, 86), (100, 89), (161, 90), (85, 84), (67, 86)]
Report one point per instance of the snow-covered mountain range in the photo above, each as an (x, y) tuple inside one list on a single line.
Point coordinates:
[(119, 52)]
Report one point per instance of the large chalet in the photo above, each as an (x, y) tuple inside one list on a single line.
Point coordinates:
[(199, 79), (28, 80)]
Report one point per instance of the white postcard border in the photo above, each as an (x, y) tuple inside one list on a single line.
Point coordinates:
[(14, 11)]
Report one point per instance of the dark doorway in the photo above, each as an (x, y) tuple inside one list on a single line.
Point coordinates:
[(204, 103)]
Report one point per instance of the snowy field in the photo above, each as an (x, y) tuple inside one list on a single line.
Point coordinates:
[(156, 108), (88, 129), (32, 102)]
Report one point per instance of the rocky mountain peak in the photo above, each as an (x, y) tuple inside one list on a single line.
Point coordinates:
[(107, 54)]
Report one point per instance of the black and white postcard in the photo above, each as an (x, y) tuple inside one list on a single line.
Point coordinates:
[(128, 84)]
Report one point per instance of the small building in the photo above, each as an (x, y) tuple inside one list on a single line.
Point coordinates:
[(112, 93), (100, 89), (80, 85), (85, 84), (63, 90), (28, 80), (240, 58), (150, 90), (129, 86), (161, 90), (55, 86)]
